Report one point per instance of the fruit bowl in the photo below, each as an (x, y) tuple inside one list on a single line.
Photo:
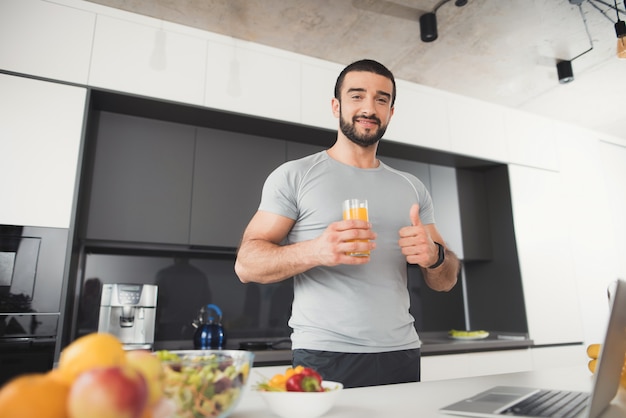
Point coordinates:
[(205, 383), (302, 404)]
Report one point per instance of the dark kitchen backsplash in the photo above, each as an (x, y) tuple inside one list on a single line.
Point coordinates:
[(250, 311), (185, 284)]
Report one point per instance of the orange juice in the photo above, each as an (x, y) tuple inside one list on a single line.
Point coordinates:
[(355, 213), (356, 209)]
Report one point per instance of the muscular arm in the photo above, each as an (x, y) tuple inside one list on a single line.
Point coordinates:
[(262, 259), (444, 277), (417, 243)]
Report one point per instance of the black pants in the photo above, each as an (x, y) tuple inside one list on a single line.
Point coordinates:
[(362, 369)]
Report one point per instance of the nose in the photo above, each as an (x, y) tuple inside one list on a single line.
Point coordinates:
[(368, 108)]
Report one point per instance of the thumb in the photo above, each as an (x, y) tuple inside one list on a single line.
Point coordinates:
[(415, 215)]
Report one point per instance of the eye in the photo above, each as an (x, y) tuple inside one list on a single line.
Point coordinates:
[(382, 100)]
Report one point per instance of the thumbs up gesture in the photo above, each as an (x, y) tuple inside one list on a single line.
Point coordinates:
[(416, 243)]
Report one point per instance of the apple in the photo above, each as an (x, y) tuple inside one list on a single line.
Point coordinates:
[(108, 392), (150, 366)]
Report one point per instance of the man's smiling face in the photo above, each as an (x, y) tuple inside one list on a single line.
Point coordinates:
[(365, 107)]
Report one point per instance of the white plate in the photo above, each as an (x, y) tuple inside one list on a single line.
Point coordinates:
[(470, 337)]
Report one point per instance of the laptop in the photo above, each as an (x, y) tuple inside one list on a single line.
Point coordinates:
[(518, 401)]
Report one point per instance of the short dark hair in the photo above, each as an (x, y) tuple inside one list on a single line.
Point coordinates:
[(369, 66)]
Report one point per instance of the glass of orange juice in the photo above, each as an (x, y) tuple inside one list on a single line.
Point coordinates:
[(356, 209)]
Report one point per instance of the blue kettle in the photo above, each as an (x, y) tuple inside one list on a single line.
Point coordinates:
[(209, 330)]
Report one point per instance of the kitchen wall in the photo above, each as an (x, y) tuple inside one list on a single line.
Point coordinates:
[(566, 183)]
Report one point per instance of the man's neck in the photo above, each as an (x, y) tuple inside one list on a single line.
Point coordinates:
[(347, 152)]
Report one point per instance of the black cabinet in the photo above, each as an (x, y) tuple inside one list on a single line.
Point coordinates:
[(229, 172), (297, 150), (168, 183), (142, 179)]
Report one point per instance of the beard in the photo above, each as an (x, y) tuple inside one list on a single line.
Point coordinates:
[(366, 139)]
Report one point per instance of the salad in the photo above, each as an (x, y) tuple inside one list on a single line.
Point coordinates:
[(203, 385)]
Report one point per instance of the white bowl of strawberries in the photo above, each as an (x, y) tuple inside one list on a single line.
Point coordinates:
[(299, 393)]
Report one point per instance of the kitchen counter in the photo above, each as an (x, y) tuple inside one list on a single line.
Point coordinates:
[(433, 343), (424, 399)]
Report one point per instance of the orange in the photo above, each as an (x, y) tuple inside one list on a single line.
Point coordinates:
[(89, 351), (592, 365), (593, 350), (34, 395)]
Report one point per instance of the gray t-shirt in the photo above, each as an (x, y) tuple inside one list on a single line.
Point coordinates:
[(357, 309)]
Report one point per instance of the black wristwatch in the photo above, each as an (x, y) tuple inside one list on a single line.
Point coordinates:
[(442, 256)]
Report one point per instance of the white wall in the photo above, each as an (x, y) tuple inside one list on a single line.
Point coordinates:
[(80, 42)]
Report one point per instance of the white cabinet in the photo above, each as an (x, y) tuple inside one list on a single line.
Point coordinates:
[(449, 366), (317, 92), (559, 356), (543, 245), (420, 118), (40, 135), (454, 366), (148, 61), (45, 39), (476, 129), (613, 161), (248, 81), (530, 140)]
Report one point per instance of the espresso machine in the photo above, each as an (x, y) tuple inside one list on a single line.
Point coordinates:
[(128, 311)]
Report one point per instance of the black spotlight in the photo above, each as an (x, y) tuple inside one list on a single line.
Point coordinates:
[(428, 27), (564, 70)]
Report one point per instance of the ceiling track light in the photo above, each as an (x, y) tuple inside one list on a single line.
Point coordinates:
[(620, 25), (564, 67), (428, 21), (620, 32)]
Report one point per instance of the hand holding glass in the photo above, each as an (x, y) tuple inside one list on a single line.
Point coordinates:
[(356, 209)]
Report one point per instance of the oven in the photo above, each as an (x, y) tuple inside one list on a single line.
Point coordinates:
[(32, 261)]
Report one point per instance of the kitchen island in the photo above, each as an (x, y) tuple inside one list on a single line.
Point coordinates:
[(424, 399)]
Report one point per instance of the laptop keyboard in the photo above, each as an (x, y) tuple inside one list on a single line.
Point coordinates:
[(550, 403)]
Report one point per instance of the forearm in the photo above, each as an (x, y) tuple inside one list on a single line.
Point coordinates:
[(444, 277), (262, 261)]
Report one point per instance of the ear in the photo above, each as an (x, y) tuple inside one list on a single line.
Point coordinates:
[(336, 107)]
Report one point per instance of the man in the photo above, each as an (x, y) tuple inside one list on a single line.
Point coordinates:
[(350, 315)]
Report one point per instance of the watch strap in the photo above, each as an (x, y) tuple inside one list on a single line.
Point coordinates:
[(442, 256)]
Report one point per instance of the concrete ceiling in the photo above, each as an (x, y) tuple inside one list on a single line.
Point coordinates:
[(504, 52)]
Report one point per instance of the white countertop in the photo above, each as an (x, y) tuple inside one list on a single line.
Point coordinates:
[(425, 398)]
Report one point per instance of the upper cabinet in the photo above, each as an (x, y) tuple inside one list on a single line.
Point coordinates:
[(297, 150), (476, 129), (249, 81), (148, 61), (531, 140), (40, 135), (229, 173), (420, 118), (45, 39), (142, 179), (168, 183), (316, 101)]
